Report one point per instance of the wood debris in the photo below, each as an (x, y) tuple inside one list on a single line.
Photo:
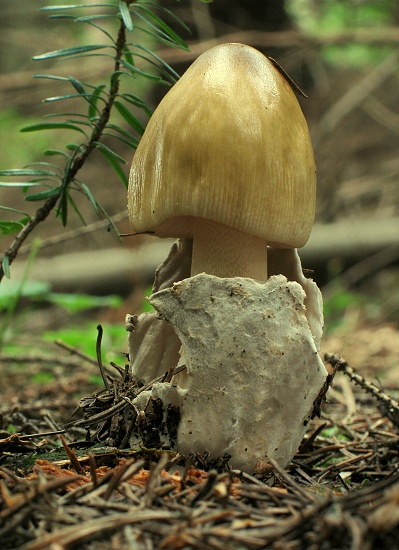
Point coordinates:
[(340, 490)]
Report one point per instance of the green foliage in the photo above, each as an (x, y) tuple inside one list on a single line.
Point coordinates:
[(31, 290), (80, 333), (75, 303), (337, 308), (103, 107), (329, 17), (11, 429), (146, 306), (40, 291), (42, 377), (83, 337), (14, 297), (335, 431), (371, 303)]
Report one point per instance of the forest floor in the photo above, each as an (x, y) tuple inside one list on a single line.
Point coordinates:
[(340, 491)]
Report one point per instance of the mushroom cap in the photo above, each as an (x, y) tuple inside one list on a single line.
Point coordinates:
[(228, 143)]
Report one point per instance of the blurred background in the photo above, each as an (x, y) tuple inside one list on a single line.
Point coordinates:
[(342, 53)]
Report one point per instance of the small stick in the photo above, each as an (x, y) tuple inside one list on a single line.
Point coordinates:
[(116, 478), (390, 404), (293, 84), (155, 479), (125, 401), (207, 489), (72, 457), (74, 351), (44, 434), (98, 353), (291, 482), (93, 471)]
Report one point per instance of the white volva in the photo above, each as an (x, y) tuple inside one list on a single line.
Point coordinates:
[(253, 370)]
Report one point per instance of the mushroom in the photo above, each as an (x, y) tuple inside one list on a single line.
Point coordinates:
[(227, 165), (226, 159)]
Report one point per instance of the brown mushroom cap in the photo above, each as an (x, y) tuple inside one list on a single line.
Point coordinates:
[(228, 143)]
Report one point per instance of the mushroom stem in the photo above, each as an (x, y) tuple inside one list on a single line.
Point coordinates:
[(226, 252)]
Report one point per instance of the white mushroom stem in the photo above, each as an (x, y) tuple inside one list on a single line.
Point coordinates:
[(226, 252)]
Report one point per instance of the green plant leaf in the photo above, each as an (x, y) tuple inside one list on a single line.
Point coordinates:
[(114, 161), (159, 37), (76, 6), (129, 117), (61, 16), (10, 227), (62, 211), (44, 195), (134, 100), (81, 122), (131, 143), (51, 126), (76, 209), (125, 137), (50, 76), (102, 147), (125, 133), (73, 147), (26, 172), (15, 211), (77, 85), (95, 96), (74, 50), (107, 216), (46, 164), (159, 26), (62, 97), (160, 68), (171, 14), (90, 18), (54, 152), (26, 184), (134, 70), (128, 55), (125, 14), (161, 62), (6, 266), (90, 196)]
